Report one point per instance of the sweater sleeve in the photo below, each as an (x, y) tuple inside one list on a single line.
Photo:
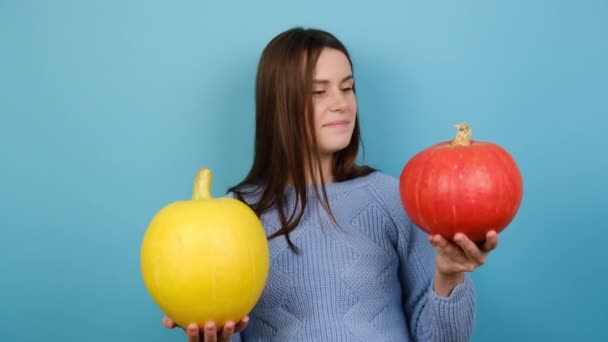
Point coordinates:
[(430, 317)]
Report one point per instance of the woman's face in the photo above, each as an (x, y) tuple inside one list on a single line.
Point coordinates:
[(335, 104)]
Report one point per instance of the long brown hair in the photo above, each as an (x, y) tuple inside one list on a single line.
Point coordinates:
[(285, 145)]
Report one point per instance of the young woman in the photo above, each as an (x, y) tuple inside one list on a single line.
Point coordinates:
[(346, 262)]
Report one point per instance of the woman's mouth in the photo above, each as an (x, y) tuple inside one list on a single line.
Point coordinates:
[(337, 124)]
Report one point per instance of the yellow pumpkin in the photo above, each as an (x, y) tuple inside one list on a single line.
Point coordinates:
[(205, 259)]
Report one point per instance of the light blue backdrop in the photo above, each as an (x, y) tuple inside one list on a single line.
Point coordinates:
[(108, 108)]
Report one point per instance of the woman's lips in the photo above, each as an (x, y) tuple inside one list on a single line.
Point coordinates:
[(338, 123)]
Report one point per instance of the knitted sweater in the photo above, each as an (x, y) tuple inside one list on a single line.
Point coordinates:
[(368, 280)]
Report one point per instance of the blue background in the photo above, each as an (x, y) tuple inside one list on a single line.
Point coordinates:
[(108, 108)]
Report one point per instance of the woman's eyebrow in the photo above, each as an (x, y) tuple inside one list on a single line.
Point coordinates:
[(347, 78)]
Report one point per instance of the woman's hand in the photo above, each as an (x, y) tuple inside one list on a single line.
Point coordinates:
[(458, 256), (210, 333)]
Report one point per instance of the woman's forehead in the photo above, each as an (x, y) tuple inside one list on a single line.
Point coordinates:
[(332, 65)]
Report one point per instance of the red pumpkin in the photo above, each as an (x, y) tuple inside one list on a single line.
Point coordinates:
[(462, 186)]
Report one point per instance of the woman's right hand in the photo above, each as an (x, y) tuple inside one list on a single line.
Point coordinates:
[(210, 334)]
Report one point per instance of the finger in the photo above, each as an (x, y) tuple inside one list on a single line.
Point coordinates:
[(168, 323), (193, 333), (491, 241), (469, 248), (446, 248), (210, 332), (227, 332), (241, 325), (438, 241)]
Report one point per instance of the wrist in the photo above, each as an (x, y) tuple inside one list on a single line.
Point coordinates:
[(444, 282)]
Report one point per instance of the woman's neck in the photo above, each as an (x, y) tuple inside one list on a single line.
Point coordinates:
[(327, 169)]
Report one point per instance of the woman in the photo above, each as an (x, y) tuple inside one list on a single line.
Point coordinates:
[(346, 262)]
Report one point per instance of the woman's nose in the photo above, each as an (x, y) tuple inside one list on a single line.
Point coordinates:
[(338, 101)]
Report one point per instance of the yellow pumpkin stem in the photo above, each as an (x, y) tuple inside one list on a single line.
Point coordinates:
[(202, 185), (463, 137)]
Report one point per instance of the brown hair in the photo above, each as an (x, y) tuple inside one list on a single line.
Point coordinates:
[(285, 148)]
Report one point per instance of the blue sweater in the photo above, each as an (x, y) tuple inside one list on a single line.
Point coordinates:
[(371, 280)]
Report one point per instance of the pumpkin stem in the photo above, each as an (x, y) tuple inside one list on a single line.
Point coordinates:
[(463, 137), (202, 185)]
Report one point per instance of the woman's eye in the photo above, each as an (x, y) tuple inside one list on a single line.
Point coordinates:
[(318, 92), (347, 89)]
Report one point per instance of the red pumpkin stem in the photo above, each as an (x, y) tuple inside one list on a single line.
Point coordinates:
[(463, 137)]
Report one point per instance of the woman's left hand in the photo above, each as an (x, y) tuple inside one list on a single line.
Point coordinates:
[(457, 257), (462, 254)]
